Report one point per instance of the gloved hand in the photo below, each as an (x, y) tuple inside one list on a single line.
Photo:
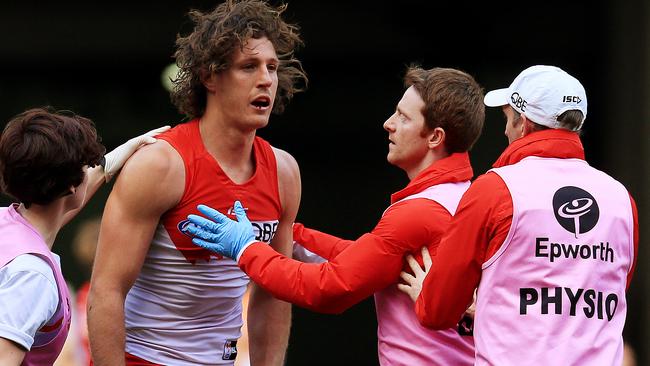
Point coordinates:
[(221, 234), (116, 158)]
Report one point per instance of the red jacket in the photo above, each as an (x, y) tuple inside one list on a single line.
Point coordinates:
[(357, 269), (481, 225)]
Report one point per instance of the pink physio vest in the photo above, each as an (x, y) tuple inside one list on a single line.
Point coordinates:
[(402, 340), (19, 237), (554, 293)]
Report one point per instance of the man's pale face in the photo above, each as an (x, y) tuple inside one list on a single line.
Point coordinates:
[(245, 92), (408, 142), (514, 124)]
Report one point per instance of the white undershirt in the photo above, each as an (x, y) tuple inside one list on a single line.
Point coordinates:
[(28, 298), (303, 254)]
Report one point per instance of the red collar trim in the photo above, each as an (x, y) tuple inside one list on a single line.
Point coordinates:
[(552, 143), (454, 168)]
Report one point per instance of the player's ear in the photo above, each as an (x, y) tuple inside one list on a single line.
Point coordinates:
[(436, 137), (209, 80), (526, 126), (71, 191)]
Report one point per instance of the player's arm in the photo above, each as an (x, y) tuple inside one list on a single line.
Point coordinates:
[(477, 230), (151, 182), (11, 354), (113, 162), (269, 319), (325, 245)]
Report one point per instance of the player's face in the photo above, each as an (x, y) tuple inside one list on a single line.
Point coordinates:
[(244, 93), (406, 132), (514, 125)]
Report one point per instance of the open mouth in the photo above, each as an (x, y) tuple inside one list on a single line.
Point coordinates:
[(261, 103)]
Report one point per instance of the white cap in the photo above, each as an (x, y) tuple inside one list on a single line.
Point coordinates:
[(542, 93)]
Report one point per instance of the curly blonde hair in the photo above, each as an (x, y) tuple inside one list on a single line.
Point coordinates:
[(216, 35)]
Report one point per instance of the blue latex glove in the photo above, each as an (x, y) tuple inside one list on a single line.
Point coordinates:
[(219, 233)]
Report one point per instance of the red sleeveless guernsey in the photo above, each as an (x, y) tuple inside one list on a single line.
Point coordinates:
[(185, 307)]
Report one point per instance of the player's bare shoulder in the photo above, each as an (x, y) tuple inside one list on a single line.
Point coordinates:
[(155, 171), (288, 182), (287, 166)]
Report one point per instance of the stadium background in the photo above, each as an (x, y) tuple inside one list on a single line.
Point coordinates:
[(104, 60)]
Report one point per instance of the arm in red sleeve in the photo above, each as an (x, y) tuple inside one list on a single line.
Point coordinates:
[(325, 245), (477, 231), (635, 216), (371, 264)]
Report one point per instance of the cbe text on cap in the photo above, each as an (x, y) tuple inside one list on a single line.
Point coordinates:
[(542, 93)]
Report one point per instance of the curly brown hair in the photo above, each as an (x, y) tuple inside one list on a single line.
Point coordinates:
[(216, 35), (453, 101), (43, 153)]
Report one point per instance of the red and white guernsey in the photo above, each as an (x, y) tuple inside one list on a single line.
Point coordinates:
[(185, 307), (402, 340), (554, 293)]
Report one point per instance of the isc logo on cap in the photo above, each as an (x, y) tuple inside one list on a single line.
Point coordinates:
[(571, 99)]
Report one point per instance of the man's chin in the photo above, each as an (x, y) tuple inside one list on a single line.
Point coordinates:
[(258, 122), (391, 159)]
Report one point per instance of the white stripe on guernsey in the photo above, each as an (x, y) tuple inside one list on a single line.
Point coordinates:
[(178, 313)]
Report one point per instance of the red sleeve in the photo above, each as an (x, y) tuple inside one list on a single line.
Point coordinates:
[(326, 245), (476, 232), (372, 263), (635, 216), (414, 223)]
